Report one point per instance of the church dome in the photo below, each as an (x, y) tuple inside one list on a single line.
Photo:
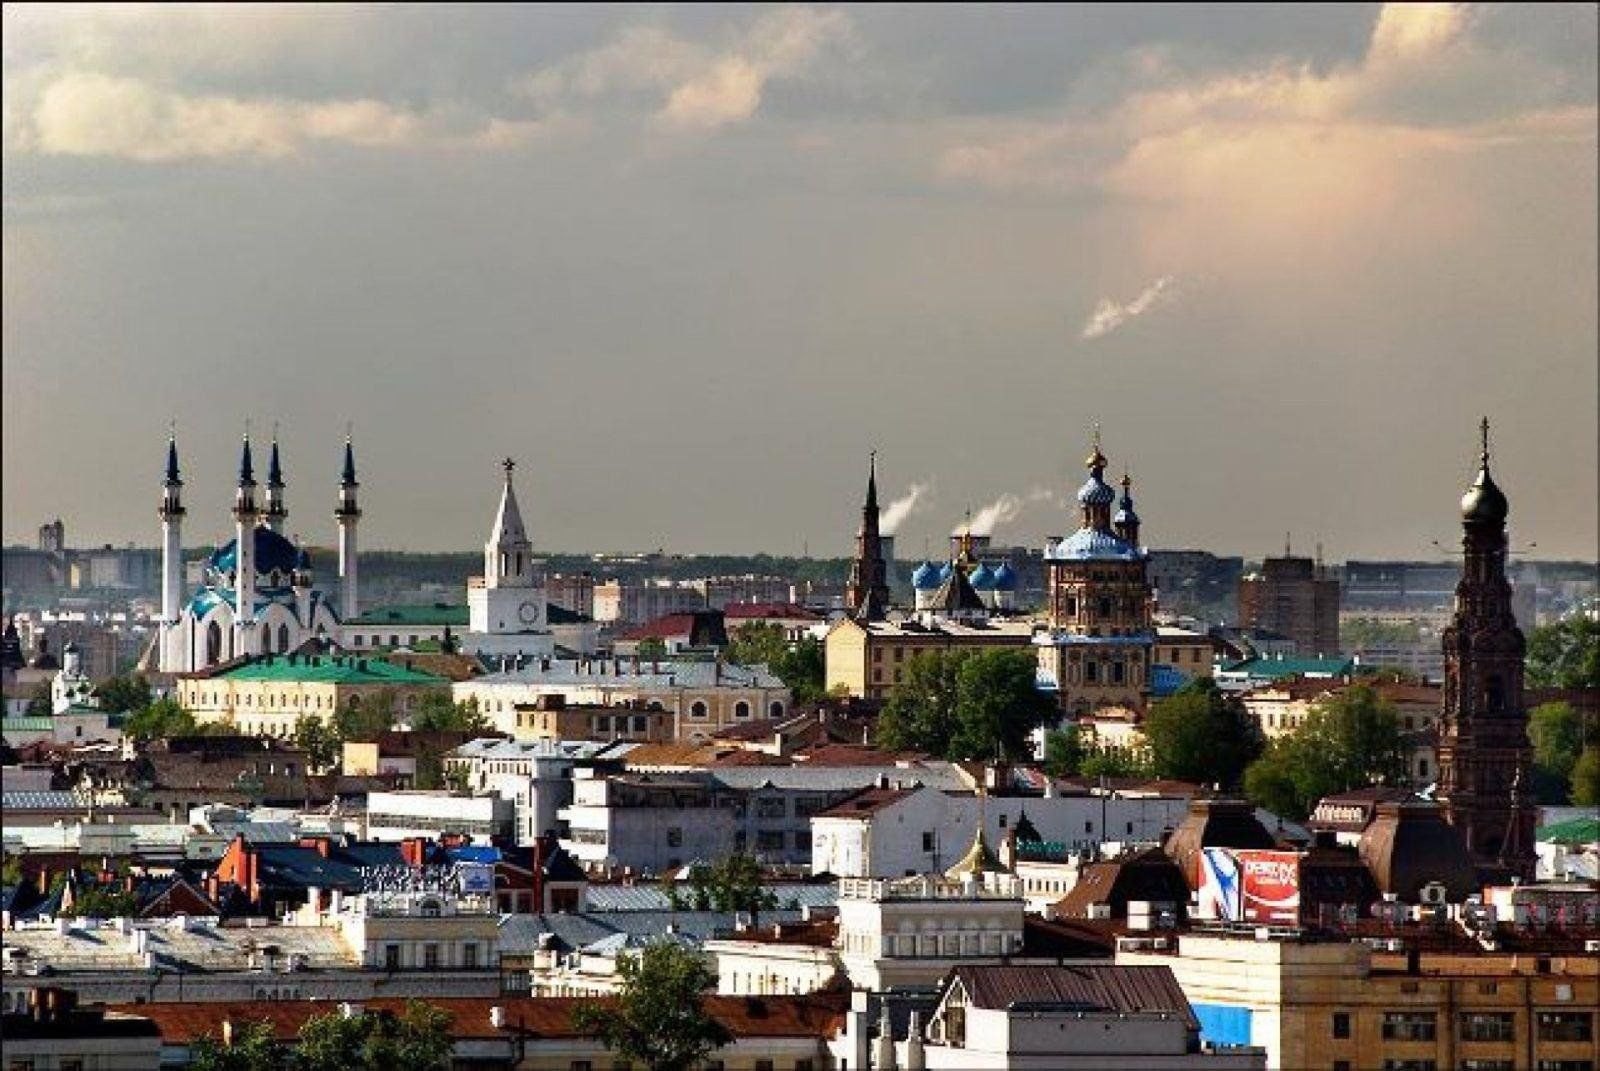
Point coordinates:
[(1096, 492), (1088, 544), (945, 569), (982, 578), (273, 553), (1484, 503), (1005, 578), (926, 577)]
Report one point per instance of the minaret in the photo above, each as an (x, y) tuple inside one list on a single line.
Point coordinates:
[(347, 514), (277, 512), (245, 519), (1126, 522), (866, 595), (1483, 726), (171, 513)]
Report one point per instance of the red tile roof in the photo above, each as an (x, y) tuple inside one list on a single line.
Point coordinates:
[(868, 801), (790, 610)]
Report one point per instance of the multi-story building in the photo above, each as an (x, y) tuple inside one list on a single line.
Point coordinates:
[(1297, 597), (1096, 651), (1196, 582), (701, 697), (270, 695), (868, 658), (535, 775), (430, 814), (646, 823)]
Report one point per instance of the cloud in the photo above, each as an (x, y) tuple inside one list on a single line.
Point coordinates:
[(896, 512), (1002, 510), (1108, 315), (689, 85), (91, 114)]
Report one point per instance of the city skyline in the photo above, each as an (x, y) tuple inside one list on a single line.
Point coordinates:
[(1285, 257)]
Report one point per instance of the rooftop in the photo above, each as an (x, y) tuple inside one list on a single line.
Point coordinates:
[(323, 669)]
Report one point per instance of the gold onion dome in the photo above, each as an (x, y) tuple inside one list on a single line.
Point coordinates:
[(979, 860)]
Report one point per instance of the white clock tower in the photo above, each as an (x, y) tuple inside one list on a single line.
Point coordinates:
[(507, 605)]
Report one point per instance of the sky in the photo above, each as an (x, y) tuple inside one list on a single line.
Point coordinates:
[(690, 265)]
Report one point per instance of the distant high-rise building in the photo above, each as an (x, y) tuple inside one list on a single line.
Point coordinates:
[(1483, 725), (1294, 596), (53, 537)]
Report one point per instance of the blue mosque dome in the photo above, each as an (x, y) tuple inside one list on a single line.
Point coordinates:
[(982, 578), (926, 577), (273, 553), (1005, 578)]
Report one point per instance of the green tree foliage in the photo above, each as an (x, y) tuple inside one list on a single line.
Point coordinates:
[(1586, 778), (658, 1020), (313, 736), (965, 705), (254, 1049), (10, 870), (124, 693), (94, 902), (1199, 734), (1558, 733), (40, 702), (371, 715), (162, 719), (418, 1039), (734, 884), (1350, 740), (1064, 751), (1359, 633), (1115, 762), (798, 665), (1565, 654), (436, 712), (652, 647)]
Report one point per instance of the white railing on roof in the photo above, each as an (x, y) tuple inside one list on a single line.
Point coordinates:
[(928, 887)]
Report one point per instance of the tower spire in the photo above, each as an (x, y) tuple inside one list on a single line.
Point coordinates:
[(346, 515), (277, 511), (866, 593)]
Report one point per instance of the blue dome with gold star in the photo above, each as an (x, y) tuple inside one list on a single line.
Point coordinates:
[(274, 553)]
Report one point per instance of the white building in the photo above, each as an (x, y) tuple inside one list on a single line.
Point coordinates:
[(536, 776), (396, 816), (912, 931), (646, 823), (890, 832), (508, 606)]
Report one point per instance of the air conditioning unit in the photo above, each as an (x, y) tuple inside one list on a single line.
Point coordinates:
[(1591, 946)]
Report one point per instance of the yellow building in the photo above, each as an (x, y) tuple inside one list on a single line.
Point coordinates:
[(269, 695), (868, 658), (1349, 1006)]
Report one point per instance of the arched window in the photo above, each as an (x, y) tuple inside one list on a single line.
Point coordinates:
[(776, 710), (1494, 695), (213, 643), (697, 710), (283, 639), (266, 639), (741, 709)]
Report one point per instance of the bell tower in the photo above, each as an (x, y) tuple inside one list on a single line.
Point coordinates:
[(866, 595), (1483, 727)]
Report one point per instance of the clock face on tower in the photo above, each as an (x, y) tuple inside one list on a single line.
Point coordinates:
[(529, 612)]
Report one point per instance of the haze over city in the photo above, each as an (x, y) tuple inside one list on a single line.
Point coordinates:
[(690, 265)]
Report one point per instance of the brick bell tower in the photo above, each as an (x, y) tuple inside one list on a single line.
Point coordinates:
[(1483, 728), (866, 595)]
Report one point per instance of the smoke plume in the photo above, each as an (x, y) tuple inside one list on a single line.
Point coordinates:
[(1108, 315), (895, 513)]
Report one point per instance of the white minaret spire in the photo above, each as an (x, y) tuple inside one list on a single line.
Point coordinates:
[(245, 519), (346, 515), (171, 513), (508, 556), (277, 509)]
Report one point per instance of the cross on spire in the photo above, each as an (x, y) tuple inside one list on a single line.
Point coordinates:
[(508, 464), (1483, 429)]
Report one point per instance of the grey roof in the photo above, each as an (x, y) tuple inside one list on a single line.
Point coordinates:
[(649, 899), (38, 801), (607, 931), (496, 748), (579, 673), (200, 947), (940, 775)]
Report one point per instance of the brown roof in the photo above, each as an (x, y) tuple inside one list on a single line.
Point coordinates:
[(854, 755), (1409, 845), (1147, 875), (868, 801), (1094, 987), (817, 1015), (745, 610)]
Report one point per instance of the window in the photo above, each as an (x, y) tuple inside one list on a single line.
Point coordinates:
[(1488, 1065), (1341, 1065), (927, 841), (697, 710), (1566, 1065), (469, 955), (771, 807), (1341, 1025), (1410, 1065), (775, 710), (1410, 1026), (1488, 1026), (391, 957), (1091, 672), (430, 956), (769, 841), (1566, 1026), (582, 1065), (741, 709), (763, 1065), (675, 837), (802, 1065), (877, 654), (641, 723)]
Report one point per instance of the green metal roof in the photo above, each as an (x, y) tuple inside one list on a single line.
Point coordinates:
[(1274, 668), (439, 613), (27, 725), (328, 669), (1572, 831)]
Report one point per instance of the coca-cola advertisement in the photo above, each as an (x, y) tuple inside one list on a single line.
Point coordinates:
[(1269, 885)]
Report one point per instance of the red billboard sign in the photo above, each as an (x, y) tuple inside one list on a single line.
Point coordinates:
[(1269, 885)]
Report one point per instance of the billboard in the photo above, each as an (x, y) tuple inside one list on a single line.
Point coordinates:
[(1249, 885)]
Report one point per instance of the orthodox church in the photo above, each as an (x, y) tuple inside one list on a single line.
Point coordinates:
[(258, 594)]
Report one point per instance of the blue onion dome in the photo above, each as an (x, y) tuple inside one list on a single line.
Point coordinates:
[(273, 553), (1096, 492), (926, 577), (1125, 514), (1088, 544), (981, 578), (945, 569), (1005, 578)]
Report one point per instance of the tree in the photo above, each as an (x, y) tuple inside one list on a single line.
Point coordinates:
[(1349, 740), (162, 719), (651, 647), (658, 1019), (1199, 734), (800, 665), (1064, 751), (1586, 778), (364, 718), (313, 736), (965, 705), (418, 1039), (1558, 733), (1565, 654), (124, 693), (1114, 762), (734, 884), (94, 902), (436, 712), (41, 704), (253, 1048)]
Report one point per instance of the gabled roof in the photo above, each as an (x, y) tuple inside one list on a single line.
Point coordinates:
[(1103, 988), (866, 803)]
